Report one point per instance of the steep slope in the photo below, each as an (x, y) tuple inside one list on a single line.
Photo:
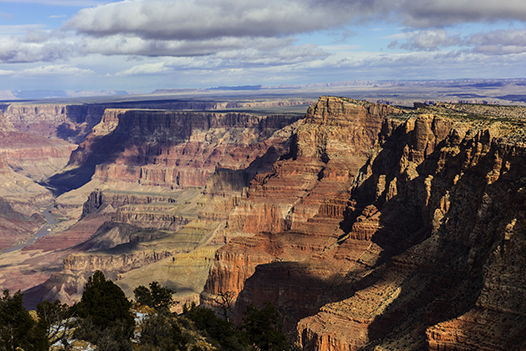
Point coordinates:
[(64, 121), (449, 174), (154, 187), (418, 254), (174, 150), (25, 159), (298, 205)]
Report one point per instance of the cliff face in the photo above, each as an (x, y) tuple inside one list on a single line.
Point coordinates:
[(417, 254), (333, 141), (68, 122), (176, 150), (300, 202), (32, 155), (158, 185)]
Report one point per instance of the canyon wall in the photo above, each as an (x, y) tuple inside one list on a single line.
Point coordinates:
[(416, 254), (69, 122), (160, 185), (370, 227), (175, 150), (24, 160), (300, 203)]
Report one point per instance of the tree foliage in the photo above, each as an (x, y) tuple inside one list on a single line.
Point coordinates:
[(162, 331), (156, 297), (105, 314), (18, 330), (103, 318), (221, 332), (104, 302), (54, 319), (264, 328)]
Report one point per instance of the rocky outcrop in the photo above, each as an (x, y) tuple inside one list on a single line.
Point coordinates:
[(32, 155), (69, 122), (332, 143), (160, 184), (176, 150), (303, 197), (113, 263), (422, 257)]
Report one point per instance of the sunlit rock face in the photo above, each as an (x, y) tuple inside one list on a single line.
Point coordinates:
[(67, 122), (421, 250), (174, 149), (154, 189), (294, 212)]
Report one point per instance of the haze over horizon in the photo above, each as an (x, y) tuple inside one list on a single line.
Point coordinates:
[(140, 45)]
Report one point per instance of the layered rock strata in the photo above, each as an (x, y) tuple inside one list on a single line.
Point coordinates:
[(173, 149), (68, 122), (163, 184), (420, 254), (301, 201)]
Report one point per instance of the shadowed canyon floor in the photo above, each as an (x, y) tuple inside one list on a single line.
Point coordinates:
[(369, 226)]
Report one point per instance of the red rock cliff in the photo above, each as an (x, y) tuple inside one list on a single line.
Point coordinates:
[(417, 255), (302, 200), (174, 149)]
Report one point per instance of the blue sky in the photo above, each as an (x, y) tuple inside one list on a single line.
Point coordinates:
[(142, 45)]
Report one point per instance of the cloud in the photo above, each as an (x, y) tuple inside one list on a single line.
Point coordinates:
[(230, 59), (441, 13), (499, 42), (54, 70), (80, 3), (33, 47), (147, 68), (132, 45), (427, 40), (202, 19)]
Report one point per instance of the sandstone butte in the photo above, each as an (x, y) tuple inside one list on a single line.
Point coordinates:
[(370, 227)]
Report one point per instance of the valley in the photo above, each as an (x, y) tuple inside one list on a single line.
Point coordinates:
[(370, 226)]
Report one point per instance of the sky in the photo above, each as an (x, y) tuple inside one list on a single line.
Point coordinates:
[(143, 45)]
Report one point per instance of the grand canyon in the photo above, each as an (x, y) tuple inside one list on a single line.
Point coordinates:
[(369, 225)]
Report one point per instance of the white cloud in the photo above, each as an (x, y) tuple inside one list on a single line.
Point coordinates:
[(54, 70), (428, 40), (202, 19), (440, 13), (266, 40), (499, 42), (147, 68)]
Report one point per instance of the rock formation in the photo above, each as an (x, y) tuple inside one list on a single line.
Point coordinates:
[(176, 150), (24, 159), (416, 254), (159, 184), (68, 122)]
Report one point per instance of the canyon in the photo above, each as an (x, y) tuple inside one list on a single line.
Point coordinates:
[(369, 226)]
